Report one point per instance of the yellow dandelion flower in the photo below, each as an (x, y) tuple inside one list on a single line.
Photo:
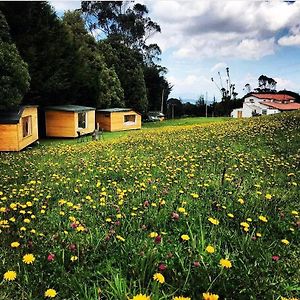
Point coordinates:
[(241, 201), (120, 238), (209, 296), (74, 258), (140, 297), (268, 196), (284, 241), (225, 263), (181, 209), (230, 215), (181, 298), (258, 234), (210, 249), (153, 234), (244, 224), (28, 259), (50, 293), (263, 219), (185, 237), (15, 244), (10, 275), (213, 221), (159, 278)]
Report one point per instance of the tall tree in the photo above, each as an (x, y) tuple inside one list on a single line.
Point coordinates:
[(14, 76), (266, 84), (45, 45)]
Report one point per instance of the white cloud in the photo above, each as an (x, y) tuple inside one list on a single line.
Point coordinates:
[(224, 29), (285, 84), (219, 66)]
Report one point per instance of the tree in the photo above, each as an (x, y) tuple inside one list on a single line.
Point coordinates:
[(45, 45), (123, 23), (266, 84), (14, 76)]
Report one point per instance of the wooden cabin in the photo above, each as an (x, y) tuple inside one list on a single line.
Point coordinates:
[(69, 121), (118, 119), (18, 128)]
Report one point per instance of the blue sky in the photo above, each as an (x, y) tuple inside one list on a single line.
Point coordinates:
[(201, 38)]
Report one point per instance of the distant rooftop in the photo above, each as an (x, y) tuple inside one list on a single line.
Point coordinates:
[(110, 110), (282, 106), (270, 96), (70, 108)]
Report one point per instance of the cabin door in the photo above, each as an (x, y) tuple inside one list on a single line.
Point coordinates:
[(239, 114)]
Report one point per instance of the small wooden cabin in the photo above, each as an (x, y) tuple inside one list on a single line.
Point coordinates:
[(118, 119), (69, 120), (156, 116), (18, 128)]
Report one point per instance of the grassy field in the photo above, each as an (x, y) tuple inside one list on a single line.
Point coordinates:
[(145, 127), (191, 211)]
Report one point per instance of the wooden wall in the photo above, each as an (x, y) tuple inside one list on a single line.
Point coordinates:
[(104, 120), (115, 121), (64, 123), (60, 124), (25, 141), (90, 123), (11, 135)]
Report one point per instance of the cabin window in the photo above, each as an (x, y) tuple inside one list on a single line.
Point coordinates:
[(264, 112), (129, 119), (82, 120), (27, 126)]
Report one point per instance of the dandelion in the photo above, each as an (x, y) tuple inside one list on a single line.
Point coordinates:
[(185, 237), (241, 201), (210, 249), (15, 244), (153, 234), (28, 259), (140, 297), (181, 209), (209, 296), (50, 293), (213, 221), (268, 196), (74, 258), (284, 241), (159, 278), (10, 276), (181, 298), (225, 263), (263, 219), (230, 215), (120, 238)]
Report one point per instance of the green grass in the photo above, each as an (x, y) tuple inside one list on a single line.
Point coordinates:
[(113, 213)]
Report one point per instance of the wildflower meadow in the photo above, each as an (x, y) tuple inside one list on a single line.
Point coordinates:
[(207, 211)]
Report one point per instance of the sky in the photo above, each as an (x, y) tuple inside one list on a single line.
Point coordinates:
[(200, 38)]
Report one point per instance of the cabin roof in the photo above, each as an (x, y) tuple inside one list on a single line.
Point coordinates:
[(13, 116), (110, 110), (270, 96), (282, 106), (70, 108)]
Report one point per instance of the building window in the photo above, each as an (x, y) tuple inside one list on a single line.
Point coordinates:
[(27, 126), (264, 112), (82, 120), (129, 119)]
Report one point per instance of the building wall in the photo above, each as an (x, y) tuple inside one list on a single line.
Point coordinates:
[(9, 137), (25, 141), (90, 123), (104, 121), (60, 124), (117, 121)]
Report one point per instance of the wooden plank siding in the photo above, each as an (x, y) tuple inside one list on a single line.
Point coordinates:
[(65, 123), (114, 121), (25, 141), (90, 126), (60, 124), (11, 135)]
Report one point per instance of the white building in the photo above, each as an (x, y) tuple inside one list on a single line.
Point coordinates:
[(256, 104)]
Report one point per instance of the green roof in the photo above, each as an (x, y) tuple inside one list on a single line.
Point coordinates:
[(110, 110), (71, 108)]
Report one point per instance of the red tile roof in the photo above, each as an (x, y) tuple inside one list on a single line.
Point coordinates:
[(282, 106), (278, 97)]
